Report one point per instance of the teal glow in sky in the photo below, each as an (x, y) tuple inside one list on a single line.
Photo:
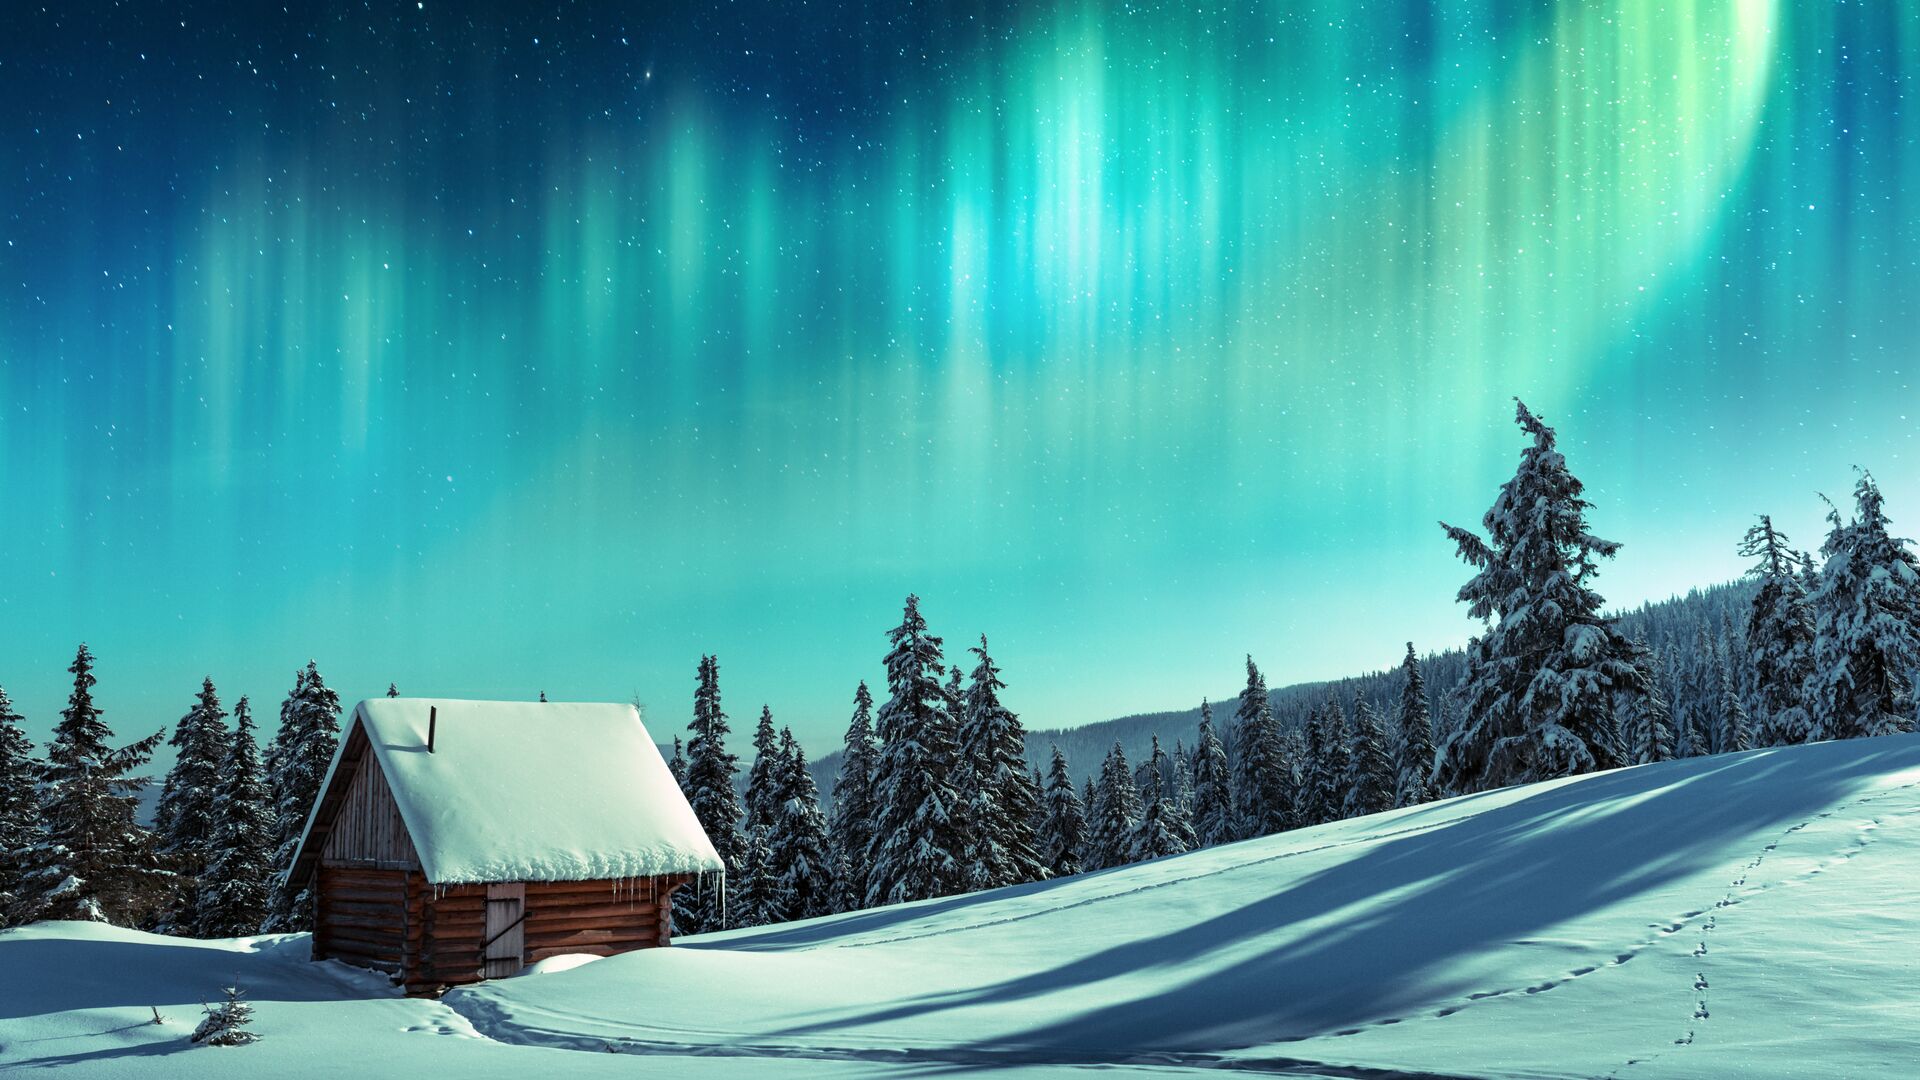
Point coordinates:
[(488, 352)]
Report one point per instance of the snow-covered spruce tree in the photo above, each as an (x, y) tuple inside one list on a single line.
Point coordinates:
[(1650, 725), (853, 808), (297, 766), (1702, 685), (1414, 776), (1265, 788), (994, 785), (228, 1023), (677, 764), (702, 905), (763, 802), (23, 839), (1370, 771), (105, 862), (1809, 576), (1541, 681), (1309, 796), (802, 867), (231, 899), (1183, 782), (1162, 829), (393, 691), (1064, 836), (1734, 733), (918, 839), (1039, 819), (1113, 814), (1866, 625), (1336, 753), (1212, 785), (183, 822)]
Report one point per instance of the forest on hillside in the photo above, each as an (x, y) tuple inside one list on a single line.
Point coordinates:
[(940, 789)]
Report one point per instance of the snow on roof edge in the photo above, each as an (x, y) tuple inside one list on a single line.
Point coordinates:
[(599, 806)]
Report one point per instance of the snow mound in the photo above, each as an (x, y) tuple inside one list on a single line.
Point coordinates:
[(553, 965)]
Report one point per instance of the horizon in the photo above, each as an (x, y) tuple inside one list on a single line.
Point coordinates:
[(498, 352)]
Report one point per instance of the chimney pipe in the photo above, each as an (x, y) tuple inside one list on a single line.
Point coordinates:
[(433, 720)]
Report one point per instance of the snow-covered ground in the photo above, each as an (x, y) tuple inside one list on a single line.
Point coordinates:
[(1749, 915)]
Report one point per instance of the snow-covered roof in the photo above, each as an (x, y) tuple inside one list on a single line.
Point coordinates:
[(522, 791)]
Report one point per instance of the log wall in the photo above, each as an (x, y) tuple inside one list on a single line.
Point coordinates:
[(366, 828), (360, 917), (446, 932)]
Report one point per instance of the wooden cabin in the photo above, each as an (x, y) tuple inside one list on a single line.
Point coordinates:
[(455, 841)]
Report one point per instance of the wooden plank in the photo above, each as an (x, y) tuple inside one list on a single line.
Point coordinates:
[(572, 942), (383, 937), (534, 956), (394, 908), (566, 926), (635, 913), (367, 875), (366, 823), (336, 923), (366, 957)]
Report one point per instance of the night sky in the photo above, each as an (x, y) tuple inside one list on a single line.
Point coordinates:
[(549, 347)]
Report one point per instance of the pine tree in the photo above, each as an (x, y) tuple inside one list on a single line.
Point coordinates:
[(918, 837), (853, 805), (1651, 726), (232, 896), (228, 1023), (183, 822), (107, 867), (994, 785), (1370, 771), (1336, 751), (1064, 837), (1809, 576), (1866, 625), (677, 765), (1309, 796), (1212, 785), (1541, 681), (1734, 733), (1265, 787), (298, 761), (1113, 813), (1183, 782), (763, 803), (1414, 780), (801, 865), (1701, 695), (393, 691), (23, 838), (1162, 829), (710, 773), (758, 898), (1039, 819)]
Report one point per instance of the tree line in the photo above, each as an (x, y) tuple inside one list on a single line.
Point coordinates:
[(935, 793), (938, 797), (228, 820)]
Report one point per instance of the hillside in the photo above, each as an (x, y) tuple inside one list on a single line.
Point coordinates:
[(1741, 915)]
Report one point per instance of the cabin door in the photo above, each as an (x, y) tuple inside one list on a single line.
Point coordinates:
[(506, 938)]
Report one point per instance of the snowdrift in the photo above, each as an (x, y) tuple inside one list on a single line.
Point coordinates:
[(1746, 915)]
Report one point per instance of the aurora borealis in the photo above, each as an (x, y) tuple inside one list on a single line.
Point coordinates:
[(551, 346)]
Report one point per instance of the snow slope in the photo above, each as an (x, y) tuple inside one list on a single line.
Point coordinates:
[(1748, 915)]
